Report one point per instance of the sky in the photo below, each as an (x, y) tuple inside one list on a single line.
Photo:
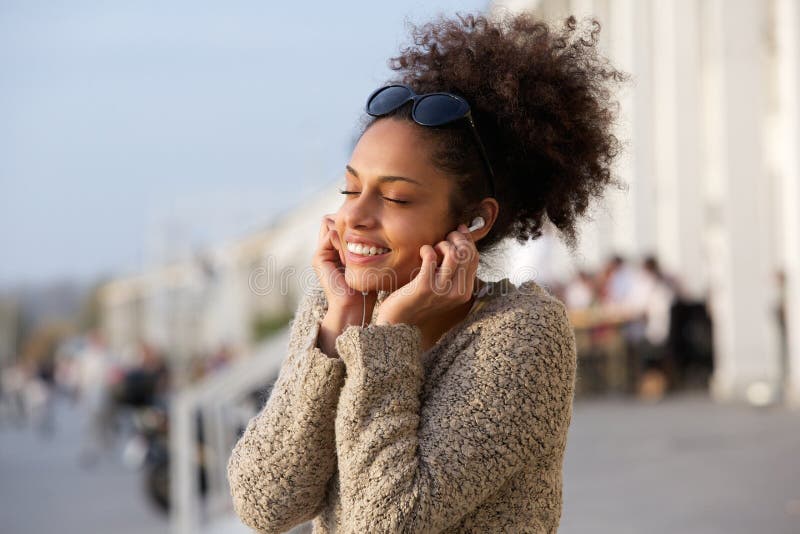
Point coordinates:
[(194, 120)]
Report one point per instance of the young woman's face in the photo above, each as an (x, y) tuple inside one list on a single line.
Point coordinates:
[(399, 202)]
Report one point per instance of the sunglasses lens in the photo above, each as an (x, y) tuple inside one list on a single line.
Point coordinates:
[(387, 100), (436, 110)]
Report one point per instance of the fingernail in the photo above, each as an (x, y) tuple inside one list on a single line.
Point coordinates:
[(462, 228)]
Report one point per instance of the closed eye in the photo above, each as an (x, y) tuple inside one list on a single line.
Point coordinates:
[(396, 201)]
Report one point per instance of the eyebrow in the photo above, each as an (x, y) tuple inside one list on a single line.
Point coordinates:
[(383, 179)]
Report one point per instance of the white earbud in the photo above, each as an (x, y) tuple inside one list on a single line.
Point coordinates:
[(477, 223)]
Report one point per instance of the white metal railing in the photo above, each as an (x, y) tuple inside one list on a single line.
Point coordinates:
[(220, 403)]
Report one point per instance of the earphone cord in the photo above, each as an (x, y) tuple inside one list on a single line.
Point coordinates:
[(364, 309)]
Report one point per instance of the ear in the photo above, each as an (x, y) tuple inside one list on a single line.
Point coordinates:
[(488, 209)]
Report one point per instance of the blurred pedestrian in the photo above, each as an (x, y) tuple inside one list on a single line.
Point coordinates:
[(40, 392), (13, 395), (580, 292), (94, 366), (649, 306)]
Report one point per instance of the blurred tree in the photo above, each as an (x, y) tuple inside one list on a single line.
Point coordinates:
[(265, 325), (90, 312), (40, 345)]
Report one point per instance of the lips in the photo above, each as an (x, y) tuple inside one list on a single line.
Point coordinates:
[(365, 247)]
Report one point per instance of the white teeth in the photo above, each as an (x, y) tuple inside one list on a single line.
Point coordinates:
[(364, 250)]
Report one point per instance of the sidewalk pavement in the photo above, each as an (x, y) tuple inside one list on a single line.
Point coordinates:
[(44, 488), (684, 465)]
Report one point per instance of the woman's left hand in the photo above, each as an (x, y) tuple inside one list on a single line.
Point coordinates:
[(435, 290)]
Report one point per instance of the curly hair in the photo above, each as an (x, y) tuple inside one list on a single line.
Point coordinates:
[(542, 101)]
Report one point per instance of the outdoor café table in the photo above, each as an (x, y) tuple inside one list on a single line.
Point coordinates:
[(598, 333)]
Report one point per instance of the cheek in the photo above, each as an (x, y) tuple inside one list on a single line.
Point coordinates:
[(408, 252), (414, 230)]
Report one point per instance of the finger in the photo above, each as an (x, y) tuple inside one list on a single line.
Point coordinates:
[(328, 241), (469, 237), (328, 259), (327, 253), (466, 252), (464, 231), (462, 228), (337, 244), (427, 271), (446, 251), (326, 223), (468, 256), (448, 267), (335, 241)]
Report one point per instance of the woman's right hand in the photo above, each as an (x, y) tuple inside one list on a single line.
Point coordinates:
[(328, 263), (345, 304)]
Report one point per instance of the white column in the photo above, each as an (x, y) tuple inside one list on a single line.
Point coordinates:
[(623, 222), (625, 39), (631, 49), (745, 337), (676, 142), (665, 133), (787, 32), (644, 194), (581, 8), (515, 6), (606, 228), (590, 252)]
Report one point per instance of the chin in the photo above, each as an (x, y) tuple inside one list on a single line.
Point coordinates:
[(372, 280), (356, 280)]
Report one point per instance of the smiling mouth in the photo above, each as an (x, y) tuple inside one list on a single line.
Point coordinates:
[(364, 250)]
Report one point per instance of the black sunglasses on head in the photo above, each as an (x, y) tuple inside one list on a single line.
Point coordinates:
[(430, 109)]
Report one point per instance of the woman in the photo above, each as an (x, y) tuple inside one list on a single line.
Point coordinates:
[(416, 397)]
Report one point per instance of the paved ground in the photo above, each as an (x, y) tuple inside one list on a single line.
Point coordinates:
[(44, 489), (685, 465)]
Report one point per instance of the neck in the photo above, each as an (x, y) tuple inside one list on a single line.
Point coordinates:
[(432, 331)]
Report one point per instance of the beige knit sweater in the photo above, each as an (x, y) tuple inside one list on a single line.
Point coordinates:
[(468, 436)]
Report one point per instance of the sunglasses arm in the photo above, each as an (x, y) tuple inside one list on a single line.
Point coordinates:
[(484, 155)]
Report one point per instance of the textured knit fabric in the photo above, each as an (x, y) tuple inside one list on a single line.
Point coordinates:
[(468, 436)]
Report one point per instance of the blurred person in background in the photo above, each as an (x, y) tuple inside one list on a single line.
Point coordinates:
[(27, 395), (94, 370), (12, 400), (779, 310), (142, 384), (616, 280), (580, 292), (40, 394), (415, 396), (647, 305), (656, 292), (220, 359), (153, 365)]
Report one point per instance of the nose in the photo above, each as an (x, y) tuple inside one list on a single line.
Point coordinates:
[(359, 212)]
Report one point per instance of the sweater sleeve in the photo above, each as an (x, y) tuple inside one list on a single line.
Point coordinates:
[(405, 467), (279, 468)]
